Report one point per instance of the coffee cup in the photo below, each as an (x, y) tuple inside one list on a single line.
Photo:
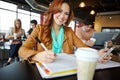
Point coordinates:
[(93, 39), (86, 63), (15, 35)]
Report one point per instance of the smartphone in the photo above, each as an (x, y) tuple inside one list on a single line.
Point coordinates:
[(108, 52)]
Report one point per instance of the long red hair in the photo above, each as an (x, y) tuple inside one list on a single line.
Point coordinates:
[(54, 7)]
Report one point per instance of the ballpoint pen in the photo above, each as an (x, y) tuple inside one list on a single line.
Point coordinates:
[(42, 66), (40, 43)]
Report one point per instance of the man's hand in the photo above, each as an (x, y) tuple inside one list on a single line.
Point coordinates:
[(103, 59)]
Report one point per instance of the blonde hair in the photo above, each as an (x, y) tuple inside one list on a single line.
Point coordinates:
[(15, 27)]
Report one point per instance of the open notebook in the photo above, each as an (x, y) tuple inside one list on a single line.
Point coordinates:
[(65, 65)]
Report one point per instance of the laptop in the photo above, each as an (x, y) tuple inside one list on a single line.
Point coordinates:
[(102, 37)]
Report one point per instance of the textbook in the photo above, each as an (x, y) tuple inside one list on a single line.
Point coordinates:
[(65, 65)]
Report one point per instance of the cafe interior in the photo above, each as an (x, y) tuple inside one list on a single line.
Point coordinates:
[(104, 14)]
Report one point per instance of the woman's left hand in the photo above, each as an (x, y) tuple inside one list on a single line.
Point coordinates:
[(103, 59)]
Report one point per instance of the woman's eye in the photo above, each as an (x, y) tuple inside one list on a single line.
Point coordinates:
[(60, 11), (67, 13)]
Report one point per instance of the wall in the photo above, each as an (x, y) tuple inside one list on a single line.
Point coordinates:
[(106, 21)]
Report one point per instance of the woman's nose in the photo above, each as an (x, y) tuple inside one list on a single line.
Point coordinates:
[(62, 15)]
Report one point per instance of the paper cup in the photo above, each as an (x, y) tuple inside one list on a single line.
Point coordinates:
[(86, 63), (93, 39), (15, 35)]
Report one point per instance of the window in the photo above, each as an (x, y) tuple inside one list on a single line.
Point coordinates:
[(35, 16), (24, 16), (8, 6), (8, 13), (110, 29), (6, 19), (72, 24)]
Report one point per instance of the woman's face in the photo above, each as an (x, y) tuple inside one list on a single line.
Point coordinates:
[(62, 16), (17, 23)]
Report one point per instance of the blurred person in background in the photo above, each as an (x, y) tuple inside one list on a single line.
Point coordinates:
[(86, 31), (33, 25), (14, 35), (1, 37)]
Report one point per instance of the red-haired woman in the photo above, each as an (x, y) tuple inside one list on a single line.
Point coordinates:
[(54, 34)]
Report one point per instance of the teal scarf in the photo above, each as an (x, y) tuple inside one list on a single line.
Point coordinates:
[(57, 42)]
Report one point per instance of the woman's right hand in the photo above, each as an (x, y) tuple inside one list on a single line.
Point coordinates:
[(45, 56)]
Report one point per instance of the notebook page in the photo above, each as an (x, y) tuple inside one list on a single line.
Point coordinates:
[(62, 62), (47, 76)]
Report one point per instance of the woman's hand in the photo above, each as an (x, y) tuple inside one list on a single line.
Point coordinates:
[(103, 59), (45, 56)]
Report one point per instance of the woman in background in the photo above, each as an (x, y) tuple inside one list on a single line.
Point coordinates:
[(14, 35)]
